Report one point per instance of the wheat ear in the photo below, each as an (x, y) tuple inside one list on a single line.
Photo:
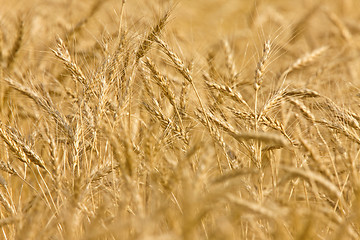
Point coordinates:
[(180, 66), (302, 62), (17, 44), (63, 54)]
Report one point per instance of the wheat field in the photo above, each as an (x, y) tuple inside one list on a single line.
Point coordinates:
[(187, 119)]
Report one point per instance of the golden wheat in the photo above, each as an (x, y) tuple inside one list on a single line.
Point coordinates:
[(214, 120)]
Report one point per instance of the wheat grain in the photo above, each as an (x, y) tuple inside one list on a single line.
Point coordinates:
[(260, 68)]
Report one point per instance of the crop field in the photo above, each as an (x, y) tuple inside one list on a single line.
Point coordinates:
[(179, 120)]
